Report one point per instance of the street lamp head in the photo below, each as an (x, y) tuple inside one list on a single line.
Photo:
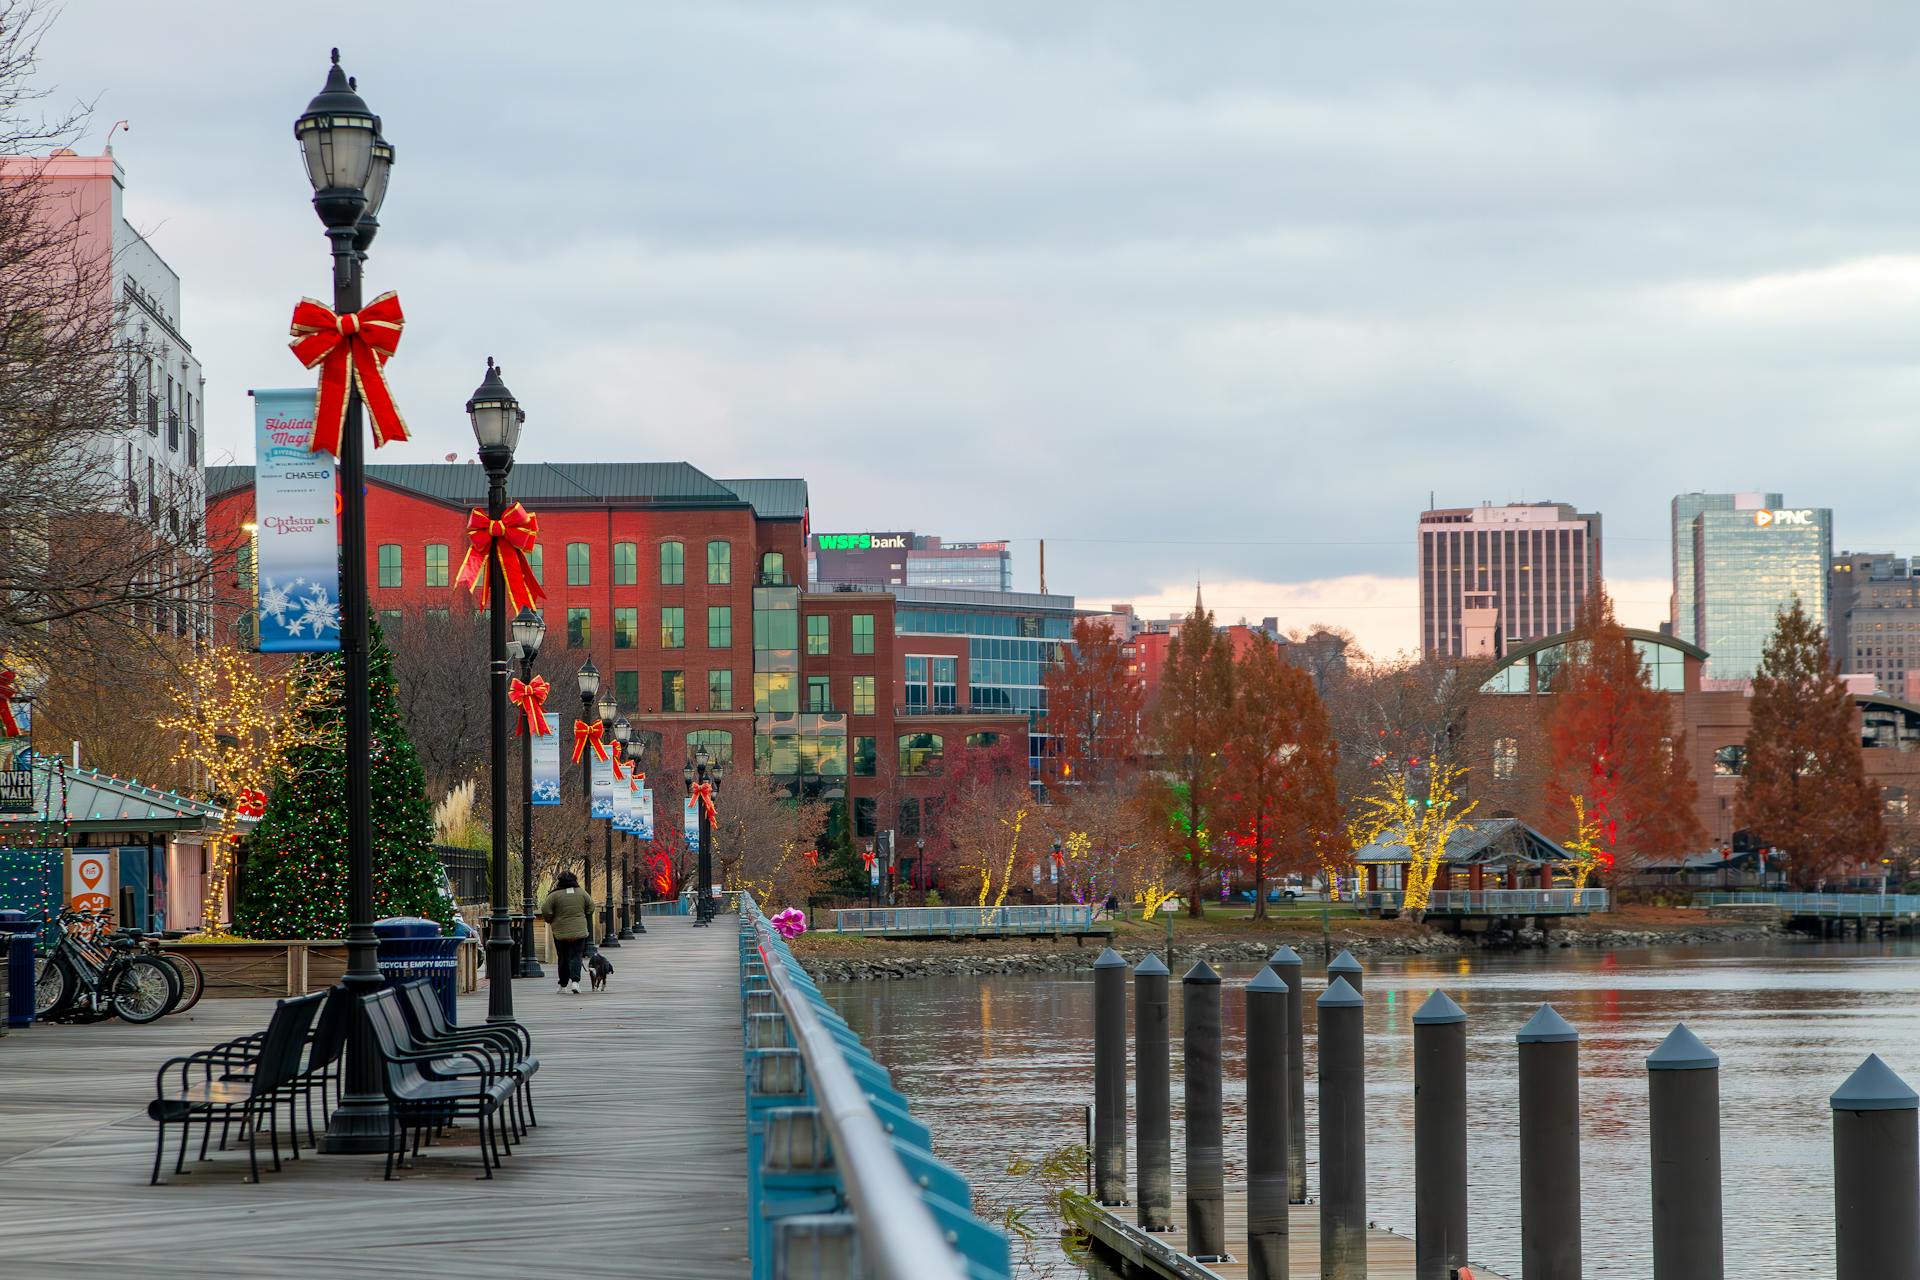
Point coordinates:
[(530, 631), (700, 756), (496, 418), (336, 135), (686, 774), (607, 708), (622, 731), (589, 682), (369, 225)]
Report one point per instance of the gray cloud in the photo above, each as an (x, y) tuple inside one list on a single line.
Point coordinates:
[(1184, 286)]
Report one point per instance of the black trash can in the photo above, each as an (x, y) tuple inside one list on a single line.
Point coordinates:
[(18, 933), (411, 948)]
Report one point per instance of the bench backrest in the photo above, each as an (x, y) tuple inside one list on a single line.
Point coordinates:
[(389, 1030), (330, 1033), (425, 1018), (285, 1039)]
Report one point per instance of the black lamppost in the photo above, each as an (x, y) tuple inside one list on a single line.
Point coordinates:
[(872, 872), (589, 680), (622, 734), (608, 710), (698, 771), (496, 418), (1059, 873), (348, 163), (918, 879), (529, 632)]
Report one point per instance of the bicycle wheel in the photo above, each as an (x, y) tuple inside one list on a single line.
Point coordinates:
[(193, 983), (144, 988), (52, 987)]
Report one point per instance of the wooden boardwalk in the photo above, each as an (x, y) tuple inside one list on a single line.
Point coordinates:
[(1389, 1256), (637, 1168)]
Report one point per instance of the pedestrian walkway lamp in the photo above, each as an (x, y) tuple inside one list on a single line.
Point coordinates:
[(589, 681), (622, 734), (496, 418), (698, 772), (529, 632), (348, 163)]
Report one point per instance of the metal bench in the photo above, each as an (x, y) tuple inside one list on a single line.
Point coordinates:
[(509, 1042), (249, 1078), (427, 1089)]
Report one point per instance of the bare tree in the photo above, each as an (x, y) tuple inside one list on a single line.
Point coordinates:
[(86, 562)]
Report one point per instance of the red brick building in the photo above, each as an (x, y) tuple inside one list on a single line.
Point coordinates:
[(687, 592)]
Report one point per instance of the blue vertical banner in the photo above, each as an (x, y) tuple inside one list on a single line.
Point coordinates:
[(643, 814), (602, 785), (622, 805), (691, 825), (297, 532), (546, 769)]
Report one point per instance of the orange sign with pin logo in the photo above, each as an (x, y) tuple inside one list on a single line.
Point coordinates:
[(87, 882)]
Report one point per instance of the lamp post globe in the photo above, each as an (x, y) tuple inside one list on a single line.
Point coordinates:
[(495, 415), (529, 633), (347, 165)]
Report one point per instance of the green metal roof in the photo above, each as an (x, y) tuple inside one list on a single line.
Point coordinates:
[(1484, 840), (101, 802), (569, 483)]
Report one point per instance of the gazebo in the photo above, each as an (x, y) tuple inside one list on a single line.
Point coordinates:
[(159, 845), (1487, 853)]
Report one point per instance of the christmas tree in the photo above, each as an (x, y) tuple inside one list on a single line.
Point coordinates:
[(296, 868)]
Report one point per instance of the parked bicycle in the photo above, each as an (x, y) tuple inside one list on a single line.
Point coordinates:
[(91, 973)]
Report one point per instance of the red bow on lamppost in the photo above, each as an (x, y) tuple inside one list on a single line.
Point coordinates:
[(703, 793), (509, 538), (350, 348), (589, 733), (9, 690), (531, 697), (866, 858)]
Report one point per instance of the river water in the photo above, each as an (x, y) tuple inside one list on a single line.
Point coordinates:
[(1003, 1066)]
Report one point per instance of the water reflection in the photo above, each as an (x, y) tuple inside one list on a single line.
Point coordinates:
[(1001, 1065)]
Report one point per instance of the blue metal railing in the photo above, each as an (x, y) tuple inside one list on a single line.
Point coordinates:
[(1819, 904), (1497, 902), (912, 1214), (942, 921)]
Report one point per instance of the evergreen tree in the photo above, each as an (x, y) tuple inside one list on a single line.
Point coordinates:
[(1614, 748), (1804, 789), (296, 869)]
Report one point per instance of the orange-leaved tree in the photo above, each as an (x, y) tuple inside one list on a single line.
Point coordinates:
[(1804, 789), (1280, 801), (1189, 725), (1094, 707), (1616, 760)]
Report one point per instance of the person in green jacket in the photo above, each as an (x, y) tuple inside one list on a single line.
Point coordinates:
[(568, 911)]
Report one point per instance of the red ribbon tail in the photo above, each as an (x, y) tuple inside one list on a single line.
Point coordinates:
[(377, 396), (330, 409)]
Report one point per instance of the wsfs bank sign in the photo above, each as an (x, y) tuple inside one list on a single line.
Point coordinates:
[(1768, 519)]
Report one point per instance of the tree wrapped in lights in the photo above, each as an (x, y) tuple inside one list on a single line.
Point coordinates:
[(234, 726), (1589, 854), (296, 882), (1422, 818)]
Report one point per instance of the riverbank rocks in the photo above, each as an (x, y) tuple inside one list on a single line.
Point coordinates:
[(988, 958)]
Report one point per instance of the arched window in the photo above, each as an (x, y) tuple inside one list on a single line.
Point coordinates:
[(985, 738), (673, 564), (919, 753), (773, 569), (719, 745)]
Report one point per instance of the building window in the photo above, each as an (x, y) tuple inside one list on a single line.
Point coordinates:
[(907, 818), (719, 626), (193, 437), (818, 634), (153, 414), (862, 633), (673, 628), (626, 628), (1506, 756), (866, 813), (863, 695), (1729, 762), (537, 557), (390, 621), (775, 691), (919, 753), (625, 564), (946, 688), (673, 564), (579, 564), (436, 564), (720, 690), (673, 691), (438, 617), (626, 689), (389, 564), (718, 742), (133, 400), (819, 694), (579, 629), (985, 738), (719, 562), (866, 757), (773, 569)]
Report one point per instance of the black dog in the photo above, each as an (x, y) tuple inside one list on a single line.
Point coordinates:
[(598, 966)]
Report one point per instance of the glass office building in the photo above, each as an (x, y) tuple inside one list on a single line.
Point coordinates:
[(1688, 507), (1010, 637), (1749, 563)]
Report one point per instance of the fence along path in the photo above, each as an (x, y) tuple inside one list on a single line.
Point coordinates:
[(637, 1168)]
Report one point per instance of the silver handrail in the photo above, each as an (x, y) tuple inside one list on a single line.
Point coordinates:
[(899, 1239)]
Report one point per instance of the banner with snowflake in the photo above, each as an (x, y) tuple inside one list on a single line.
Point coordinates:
[(643, 814), (546, 768), (296, 529)]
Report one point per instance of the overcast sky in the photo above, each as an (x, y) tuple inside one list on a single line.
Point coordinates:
[(1216, 292)]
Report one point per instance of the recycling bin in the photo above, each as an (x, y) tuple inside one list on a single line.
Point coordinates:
[(411, 948), (18, 933)]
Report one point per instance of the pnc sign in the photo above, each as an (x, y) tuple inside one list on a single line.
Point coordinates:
[(862, 541), (1767, 519)]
